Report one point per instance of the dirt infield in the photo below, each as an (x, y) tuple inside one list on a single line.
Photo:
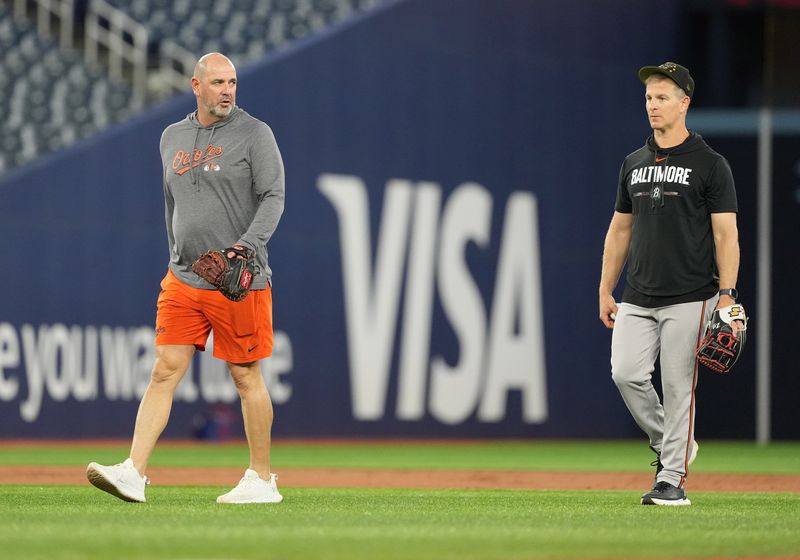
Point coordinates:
[(393, 478), (405, 478)]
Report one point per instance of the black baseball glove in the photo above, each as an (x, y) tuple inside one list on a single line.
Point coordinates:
[(720, 348), (232, 276)]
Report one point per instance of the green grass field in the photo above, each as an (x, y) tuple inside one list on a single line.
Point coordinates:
[(315, 523)]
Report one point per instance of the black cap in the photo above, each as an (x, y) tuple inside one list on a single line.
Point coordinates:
[(674, 72)]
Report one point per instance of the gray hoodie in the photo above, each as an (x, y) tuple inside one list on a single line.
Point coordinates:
[(223, 185)]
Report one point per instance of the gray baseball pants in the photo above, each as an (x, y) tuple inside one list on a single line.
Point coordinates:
[(672, 334)]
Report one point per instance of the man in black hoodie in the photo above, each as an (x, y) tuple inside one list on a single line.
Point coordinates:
[(675, 224)]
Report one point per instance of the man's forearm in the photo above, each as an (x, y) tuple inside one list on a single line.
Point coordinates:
[(728, 262), (615, 252), (726, 247)]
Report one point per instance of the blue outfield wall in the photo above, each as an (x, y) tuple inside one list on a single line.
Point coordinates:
[(450, 178)]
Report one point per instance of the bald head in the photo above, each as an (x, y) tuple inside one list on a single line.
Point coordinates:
[(213, 60), (214, 85)]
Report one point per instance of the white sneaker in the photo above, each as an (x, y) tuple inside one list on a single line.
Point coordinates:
[(122, 480), (253, 490)]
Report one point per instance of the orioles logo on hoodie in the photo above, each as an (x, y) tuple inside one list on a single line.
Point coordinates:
[(183, 161)]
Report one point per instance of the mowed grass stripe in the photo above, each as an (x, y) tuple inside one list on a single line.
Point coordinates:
[(606, 456), (176, 523)]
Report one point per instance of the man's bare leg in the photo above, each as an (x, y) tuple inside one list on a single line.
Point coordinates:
[(172, 361), (257, 414)]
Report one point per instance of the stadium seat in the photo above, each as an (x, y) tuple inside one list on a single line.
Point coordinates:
[(56, 99)]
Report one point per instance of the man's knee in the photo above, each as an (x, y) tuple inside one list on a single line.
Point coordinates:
[(627, 371), (170, 364), (246, 377), (165, 373), (619, 377)]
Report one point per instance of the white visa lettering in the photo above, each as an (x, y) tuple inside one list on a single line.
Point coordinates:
[(516, 353), (371, 301), (455, 389), (488, 363), (418, 304)]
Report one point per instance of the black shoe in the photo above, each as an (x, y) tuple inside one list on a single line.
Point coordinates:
[(665, 494)]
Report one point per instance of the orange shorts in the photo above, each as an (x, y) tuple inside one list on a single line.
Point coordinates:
[(242, 329)]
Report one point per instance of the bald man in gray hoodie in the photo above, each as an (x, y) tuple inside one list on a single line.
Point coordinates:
[(223, 187)]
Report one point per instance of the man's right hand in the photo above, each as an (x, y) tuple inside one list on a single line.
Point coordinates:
[(608, 310)]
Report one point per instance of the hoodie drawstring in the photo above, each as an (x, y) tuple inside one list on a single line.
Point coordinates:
[(210, 138), (657, 191), (192, 172), (196, 174)]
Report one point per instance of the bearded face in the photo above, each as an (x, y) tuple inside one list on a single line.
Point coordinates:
[(214, 85)]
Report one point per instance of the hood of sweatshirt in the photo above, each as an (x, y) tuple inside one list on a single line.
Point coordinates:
[(661, 156), (692, 143)]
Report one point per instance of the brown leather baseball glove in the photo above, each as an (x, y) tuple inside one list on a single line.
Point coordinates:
[(232, 276)]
